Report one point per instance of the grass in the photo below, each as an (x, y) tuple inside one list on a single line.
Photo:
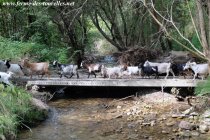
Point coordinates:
[(203, 88), (15, 110)]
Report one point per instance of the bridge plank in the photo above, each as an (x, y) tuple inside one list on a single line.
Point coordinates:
[(117, 82)]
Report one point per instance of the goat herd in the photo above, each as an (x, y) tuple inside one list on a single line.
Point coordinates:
[(68, 70), (150, 68)]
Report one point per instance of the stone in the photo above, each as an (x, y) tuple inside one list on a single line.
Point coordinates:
[(133, 136), (194, 114), (146, 137), (118, 116), (191, 117), (175, 130), (128, 113), (185, 134), (150, 117), (206, 121), (180, 116), (164, 132), (144, 124), (206, 114), (119, 107), (195, 133), (152, 123), (119, 130), (203, 128), (170, 123), (40, 105), (188, 111), (131, 125), (185, 125)]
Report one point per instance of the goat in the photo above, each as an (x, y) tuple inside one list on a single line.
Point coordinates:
[(149, 70), (108, 72), (66, 69), (92, 68), (36, 68), (131, 70), (4, 78), (178, 70), (162, 67), (201, 69), (14, 68)]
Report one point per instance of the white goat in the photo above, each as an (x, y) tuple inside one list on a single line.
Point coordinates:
[(133, 70), (162, 67), (201, 69), (16, 69), (117, 71), (4, 78)]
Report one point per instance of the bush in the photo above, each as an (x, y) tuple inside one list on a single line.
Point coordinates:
[(15, 110), (15, 50)]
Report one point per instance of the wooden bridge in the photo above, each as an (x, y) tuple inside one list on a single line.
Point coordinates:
[(100, 82)]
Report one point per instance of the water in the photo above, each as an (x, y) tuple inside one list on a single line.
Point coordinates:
[(71, 119), (87, 118)]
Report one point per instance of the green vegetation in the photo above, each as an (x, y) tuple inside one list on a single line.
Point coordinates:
[(47, 33), (16, 50), (203, 88), (15, 110)]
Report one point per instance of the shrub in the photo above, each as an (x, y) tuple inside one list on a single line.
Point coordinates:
[(15, 110), (15, 50)]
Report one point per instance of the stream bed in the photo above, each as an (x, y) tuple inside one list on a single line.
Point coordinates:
[(131, 118)]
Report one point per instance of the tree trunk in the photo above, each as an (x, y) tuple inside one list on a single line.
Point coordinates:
[(208, 4), (202, 27)]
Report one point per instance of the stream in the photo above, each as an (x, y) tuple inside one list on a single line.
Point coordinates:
[(74, 118), (102, 115), (69, 119)]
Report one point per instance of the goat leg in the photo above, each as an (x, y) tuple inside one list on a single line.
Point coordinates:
[(71, 75), (8, 83), (89, 74), (65, 76), (77, 75), (94, 73)]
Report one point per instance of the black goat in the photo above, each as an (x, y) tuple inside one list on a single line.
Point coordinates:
[(149, 70)]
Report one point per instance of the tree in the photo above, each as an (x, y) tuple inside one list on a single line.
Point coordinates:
[(168, 25), (72, 24), (124, 25)]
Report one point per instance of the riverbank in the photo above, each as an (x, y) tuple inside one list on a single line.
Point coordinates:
[(18, 109)]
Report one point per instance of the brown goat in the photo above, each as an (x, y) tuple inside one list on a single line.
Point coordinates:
[(36, 68)]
